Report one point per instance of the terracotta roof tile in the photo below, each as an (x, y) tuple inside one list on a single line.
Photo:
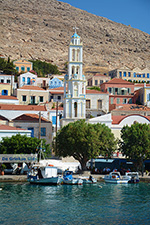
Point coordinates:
[(117, 119), (118, 81), (22, 107), (30, 117), (6, 127), (31, 87), (8, 97), (132, 107)]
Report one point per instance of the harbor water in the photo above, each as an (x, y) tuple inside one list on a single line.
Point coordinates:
[(22, 203)]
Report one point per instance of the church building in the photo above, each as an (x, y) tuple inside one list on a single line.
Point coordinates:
[(74, 84)]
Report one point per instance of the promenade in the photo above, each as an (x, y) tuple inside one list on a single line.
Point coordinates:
[(23, 178)]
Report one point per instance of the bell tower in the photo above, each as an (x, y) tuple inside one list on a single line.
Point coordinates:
[(74, 82)]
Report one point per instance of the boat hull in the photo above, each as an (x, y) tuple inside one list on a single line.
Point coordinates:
[(47, 181), (73, 182), (116, 181)]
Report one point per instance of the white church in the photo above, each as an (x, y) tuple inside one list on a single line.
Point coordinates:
[(75, 94)]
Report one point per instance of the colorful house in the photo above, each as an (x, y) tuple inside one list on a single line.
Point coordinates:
[(23, 65), (120, 92)]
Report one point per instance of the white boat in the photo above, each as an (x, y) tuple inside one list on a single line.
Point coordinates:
[(88, 180), (134, 177), (68, 178), (44, 175), (116, 178)]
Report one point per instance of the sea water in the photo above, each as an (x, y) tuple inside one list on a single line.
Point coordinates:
[(23, 203)]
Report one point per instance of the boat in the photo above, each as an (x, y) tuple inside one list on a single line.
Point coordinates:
[(116, 178), (134, 177), (44, 175), (88, 180), (68, 178)]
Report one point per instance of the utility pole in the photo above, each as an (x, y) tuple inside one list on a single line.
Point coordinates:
[(56, 114), (39, 135)]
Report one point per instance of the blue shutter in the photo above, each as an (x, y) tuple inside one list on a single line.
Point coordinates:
[(54, 120)]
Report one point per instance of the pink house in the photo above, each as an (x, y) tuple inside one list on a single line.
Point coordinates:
[(120, 92)]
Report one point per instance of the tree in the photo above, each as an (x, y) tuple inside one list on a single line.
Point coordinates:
[(21, 144), (7, 66), (43, 68), (135, 143), (84, 141)]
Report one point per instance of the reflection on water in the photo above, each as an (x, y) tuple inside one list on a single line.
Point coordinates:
[(87, 204)]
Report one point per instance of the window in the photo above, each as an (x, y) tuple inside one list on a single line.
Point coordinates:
[(148, 97), (24, 98), (143, 74), (54, 120), (2, 80), (111, 100), (32, 131), (109, 90), (147, 75), (59, 97), (118, 100), (129, 90), (23, 79), (120, 74), (124, 101), (124, 74), (28, 69), (8, 81), (4, 92), (116, 90), (129, 74), (17, 68), (96, 82), (32, 98), (101, 81), (43, 131), (88, 104), (40, 98), (28, 80), (22, 68), (134, 74), (99, 104)]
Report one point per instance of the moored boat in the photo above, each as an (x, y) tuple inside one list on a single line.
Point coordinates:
[(116, 178), (134, 177), (44, 175), (68, 178), (88, 180)]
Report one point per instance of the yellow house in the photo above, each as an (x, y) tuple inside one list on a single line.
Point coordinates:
[(5, 89), (29, 94), (23, 65)]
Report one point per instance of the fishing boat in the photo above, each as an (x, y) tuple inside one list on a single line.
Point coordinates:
[(44, 175), (88, 180), (68, 178), (134, 177), (116, 178)]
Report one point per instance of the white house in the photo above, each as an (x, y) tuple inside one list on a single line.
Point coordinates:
[(27, 79), (9, 131)]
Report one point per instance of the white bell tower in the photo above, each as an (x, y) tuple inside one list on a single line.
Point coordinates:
[(74, 82)]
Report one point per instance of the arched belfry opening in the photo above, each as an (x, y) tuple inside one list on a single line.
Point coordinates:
[(75, 109)]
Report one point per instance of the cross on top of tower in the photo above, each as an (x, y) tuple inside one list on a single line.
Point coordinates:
[(75, 28)]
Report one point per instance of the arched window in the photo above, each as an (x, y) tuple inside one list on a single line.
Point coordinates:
[(73, 54), (28, 80)]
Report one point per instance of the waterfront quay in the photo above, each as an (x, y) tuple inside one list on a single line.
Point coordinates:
[(23, 178)]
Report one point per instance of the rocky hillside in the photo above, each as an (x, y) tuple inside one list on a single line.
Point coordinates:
[(41, 29)]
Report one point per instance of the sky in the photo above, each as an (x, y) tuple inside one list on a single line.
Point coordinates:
[(128, 12)]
